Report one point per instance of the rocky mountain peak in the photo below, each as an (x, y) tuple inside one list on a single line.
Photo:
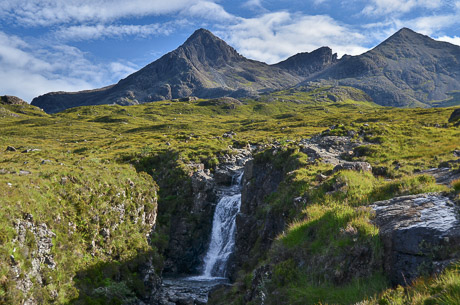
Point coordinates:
[(207, 48), (305, 63), (406, 37)]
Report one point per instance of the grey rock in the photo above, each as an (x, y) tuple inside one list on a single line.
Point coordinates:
[(420, 234), (46, 161), (41, 255), (355, 166), (443, 175), (260, 179), (328, 149), (24, 173), (30, 150)]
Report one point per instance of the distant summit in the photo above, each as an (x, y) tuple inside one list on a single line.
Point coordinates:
[(305, 64), (407, 69)]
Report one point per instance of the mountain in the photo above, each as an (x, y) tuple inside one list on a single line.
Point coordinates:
[(204, 66), (407, 69), (306, 64)]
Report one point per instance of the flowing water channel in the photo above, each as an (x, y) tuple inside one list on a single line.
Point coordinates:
[(195, 289)]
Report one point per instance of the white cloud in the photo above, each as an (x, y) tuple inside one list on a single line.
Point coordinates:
[(49, 12), (431, 24), (452, 40), (275, 36), (253, 4), (208, 10), (29, 71), (84, 32), (398, 7)]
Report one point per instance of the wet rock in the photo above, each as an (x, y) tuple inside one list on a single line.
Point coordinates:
[(11, 148), (354, 166), (260, 179), (420, 234), (187, 291), (223, 177)]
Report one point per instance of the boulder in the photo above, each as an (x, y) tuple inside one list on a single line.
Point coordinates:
[(354, 166), (420, 234)]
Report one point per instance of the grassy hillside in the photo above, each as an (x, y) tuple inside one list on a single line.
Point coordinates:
[(83, 174)]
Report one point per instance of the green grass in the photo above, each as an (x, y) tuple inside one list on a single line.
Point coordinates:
[(101, 151)]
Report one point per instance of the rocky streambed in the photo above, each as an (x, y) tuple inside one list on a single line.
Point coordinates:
[(188, 290)]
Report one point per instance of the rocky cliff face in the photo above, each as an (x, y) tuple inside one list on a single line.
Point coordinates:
[(255, 234)]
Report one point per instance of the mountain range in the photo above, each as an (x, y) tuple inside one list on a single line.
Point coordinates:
[(406, 70)]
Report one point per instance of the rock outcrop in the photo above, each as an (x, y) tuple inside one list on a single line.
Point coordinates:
[(11, 100), (420, 234), (260, 180), (329, 149)]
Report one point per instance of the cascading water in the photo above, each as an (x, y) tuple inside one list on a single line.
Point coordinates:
[(220, 249), (223, 232)]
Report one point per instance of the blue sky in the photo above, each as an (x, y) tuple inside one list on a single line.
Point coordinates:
[(71, 45)]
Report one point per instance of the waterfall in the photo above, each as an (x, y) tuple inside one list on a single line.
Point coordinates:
[(223, 231)]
